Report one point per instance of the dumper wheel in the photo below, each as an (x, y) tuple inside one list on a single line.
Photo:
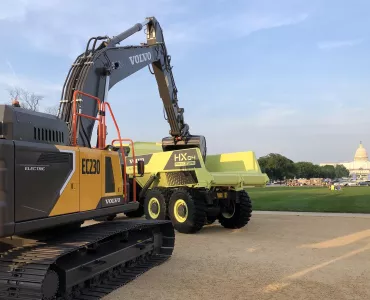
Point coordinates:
[(239, 214), (188, 214), (155, 207), (136, 213)]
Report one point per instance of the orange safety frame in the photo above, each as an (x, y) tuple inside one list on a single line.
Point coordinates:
[(102, 133), (101, 145)]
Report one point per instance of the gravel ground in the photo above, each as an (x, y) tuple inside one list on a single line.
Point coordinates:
[(274, 257)]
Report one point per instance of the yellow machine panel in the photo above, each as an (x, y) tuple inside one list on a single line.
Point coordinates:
[(91, 175)]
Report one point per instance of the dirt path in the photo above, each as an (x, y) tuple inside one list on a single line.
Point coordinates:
[(274, 257)]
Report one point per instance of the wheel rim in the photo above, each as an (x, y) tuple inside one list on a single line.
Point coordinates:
[(154, 208), (180, 211), (230, 213)]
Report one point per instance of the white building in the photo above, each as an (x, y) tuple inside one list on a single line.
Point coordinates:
[(359, 168)]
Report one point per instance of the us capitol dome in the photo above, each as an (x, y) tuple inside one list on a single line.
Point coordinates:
[(359, 168)]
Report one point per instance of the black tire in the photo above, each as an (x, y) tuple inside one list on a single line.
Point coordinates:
[(241, 215), (155, 207), (167, 193), (187, 214)]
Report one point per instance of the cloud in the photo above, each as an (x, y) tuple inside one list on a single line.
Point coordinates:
[(323, 135), (249, 23), (328, 45), (239, 25), (49, 90), (16, 11), (34, 85), (12, 10), (62, 28)]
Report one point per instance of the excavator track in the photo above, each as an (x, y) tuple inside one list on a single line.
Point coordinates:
[(87, 264)]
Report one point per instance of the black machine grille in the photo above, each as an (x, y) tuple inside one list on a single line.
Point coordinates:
[(54, 158), (181, 178), (48, 135)]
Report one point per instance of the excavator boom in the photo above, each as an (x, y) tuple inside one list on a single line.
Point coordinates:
[(97, 70)]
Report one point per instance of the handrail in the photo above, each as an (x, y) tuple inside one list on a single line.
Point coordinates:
[(102, 133), (133, 164), (75, 114), (121, 147)]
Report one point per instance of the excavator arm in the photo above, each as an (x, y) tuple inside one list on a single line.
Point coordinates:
[(97, 70)]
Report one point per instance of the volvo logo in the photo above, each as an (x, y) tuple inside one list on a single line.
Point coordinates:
[(112, 200), (140, 58)]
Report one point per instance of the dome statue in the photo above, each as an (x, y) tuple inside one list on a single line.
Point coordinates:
[(359, 168), (361, 153)]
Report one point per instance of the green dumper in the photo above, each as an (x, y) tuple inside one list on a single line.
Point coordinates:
[(179, 185)]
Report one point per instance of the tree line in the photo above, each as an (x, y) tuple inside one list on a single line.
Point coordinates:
[(30, 100), (279, 167)]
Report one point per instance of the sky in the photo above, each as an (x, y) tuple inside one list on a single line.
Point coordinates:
[(288, 76)]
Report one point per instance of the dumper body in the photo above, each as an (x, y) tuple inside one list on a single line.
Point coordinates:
[(181, 186)]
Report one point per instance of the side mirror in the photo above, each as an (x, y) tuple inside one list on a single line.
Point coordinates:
[(140, 168)]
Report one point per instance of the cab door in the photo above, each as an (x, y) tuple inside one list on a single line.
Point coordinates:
[(112, 184)]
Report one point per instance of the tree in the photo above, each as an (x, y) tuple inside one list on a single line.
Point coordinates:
[(341, 171), (53, 110), (327, 171), (277, 166), (27, 99), (317, 172), (30, 100), (305, 170)]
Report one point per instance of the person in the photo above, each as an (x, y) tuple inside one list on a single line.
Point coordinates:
[(15, 103)]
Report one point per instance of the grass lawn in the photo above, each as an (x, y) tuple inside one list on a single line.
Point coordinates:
[(311, 199)]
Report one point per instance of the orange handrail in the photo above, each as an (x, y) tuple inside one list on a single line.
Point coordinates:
[(133, 164), (121, 147), (102, 134), (75, 114)]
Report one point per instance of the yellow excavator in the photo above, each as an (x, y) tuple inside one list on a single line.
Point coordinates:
[(53, 180)]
